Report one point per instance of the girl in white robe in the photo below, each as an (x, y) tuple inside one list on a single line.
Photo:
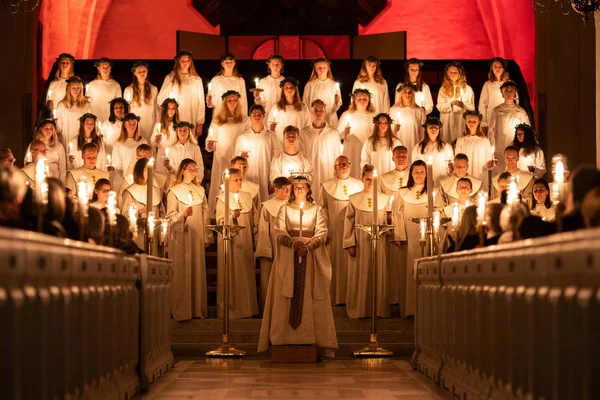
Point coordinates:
[(358, 244), (102, 90), (222, 135), (163, 133), (541, 205), (227, 79), (454, 98), (56, 159), (476, 146), (110, 130), (289, 110), (377, 150), (433, 148), (141, 95), (356, 126), (183, 146), (58, 87), (124, 150), (298, 311), (321, 85), (243, 302), (87, 134), (69, 109), (187, 212), (269, 91), (531, 156), (185, 85), (491, 96), (408, 117), (413, 74), (370, 77)]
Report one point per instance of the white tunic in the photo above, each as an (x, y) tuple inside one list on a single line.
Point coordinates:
[(422, 98), (380, 158), (479, 151), (179, 152), (148, 113), (284, 164), (361, 128), (289, 116), (101, 162), (547, 214), (100, 93), (411, 120), (190, 97), (452, 116), (91, 176), (59, 90), (536, 159), (439, 159), (381, 97), (168, 137), (392, 181), (68, 120), (221, 84), (491, 96), (110, 133), (448, 188), (56, 160), (322, 147), (325, 91), (501, 132), (124, 155), (271, 92), (524, 184)]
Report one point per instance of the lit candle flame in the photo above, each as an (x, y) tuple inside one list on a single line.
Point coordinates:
[(132, 213), (151, 162), (151, 224), (167, 152), (423, 229), (108, 159), (256, 82), (111, 208)]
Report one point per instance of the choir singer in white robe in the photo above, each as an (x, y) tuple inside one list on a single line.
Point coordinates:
[(269, 91), (291, 159)]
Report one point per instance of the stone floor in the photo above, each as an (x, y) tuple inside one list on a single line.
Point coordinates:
[(380, 379)]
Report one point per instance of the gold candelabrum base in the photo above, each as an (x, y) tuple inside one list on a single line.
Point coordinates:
[(226, 350), (373, 350), (432, 238)]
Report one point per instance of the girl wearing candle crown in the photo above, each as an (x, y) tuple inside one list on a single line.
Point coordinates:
[(111, 128), (454, 98), (142, 95), (124, 150), (370, 77), (224, 130), (58, 87), (163, 133), (56, 160), (531, 156), (228, 78), (491, 96), (413, 75), (356, 126), (321, 85), (410, 203), (475, 145), (298, 308), (289, 110), (432, 146), (541, 204), (360, 210), (187, 212), (103, 89), (184, 85), (408, 117), (242, 277), (87, 134), (269, 91), (377, 150), (70, 108), (183, 146)]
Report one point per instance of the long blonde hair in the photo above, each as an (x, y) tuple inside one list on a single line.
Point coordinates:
[(81, 100), (123, 135), (363, 75), (176, 70), (447, 86), (191, 136), (223, 116), (370, 107), (413, 102), (179, 175), (39, 135), (314, 74)]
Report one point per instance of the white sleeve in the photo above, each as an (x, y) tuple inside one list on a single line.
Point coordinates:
[(484, 101)]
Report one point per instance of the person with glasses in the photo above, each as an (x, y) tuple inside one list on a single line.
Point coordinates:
[(184, 146), (37, 150), (6, 157), (56, 159), (377, 150), (88, 172), (187, 212), (333, 199), (448, 186)]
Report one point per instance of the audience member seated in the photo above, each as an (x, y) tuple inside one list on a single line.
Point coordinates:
[(590, 208), (492, 223), (510, 220), (583, 179), (468, 238), (12, 192), (534, 226)]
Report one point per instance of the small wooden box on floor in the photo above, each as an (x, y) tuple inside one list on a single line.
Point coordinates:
[(294, 353)]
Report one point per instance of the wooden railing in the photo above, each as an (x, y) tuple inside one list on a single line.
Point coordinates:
[(520, 320), (79, 320)]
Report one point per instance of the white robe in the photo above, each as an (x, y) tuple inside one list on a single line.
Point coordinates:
[(317, 326), (91, 176), (439, 159), (422, 98), (67, 120), (221, 84), (547, 214), (101, 162), (452, 116), (187, 237), (325, 91), (359, 294), (284, 164), (491, 96), (361, 128), (289, 116), (124, 155), (100, 93), (262, 147), (179, 152), (501, 132), (159, 180), (148, 113), (381, 96), (392, 181), (110, 134), (59, 90), (479, 151), (333, 199), (168, 137), (271, 92), (225, 136), (381, 158), (190, 97), (136, 194), (56, 160), (322, 147), (524, 184), (536, 159), (243, 302), (411, 120), (448, 188)]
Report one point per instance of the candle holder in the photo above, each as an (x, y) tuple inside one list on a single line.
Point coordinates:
[(373, 350), (226, 350)]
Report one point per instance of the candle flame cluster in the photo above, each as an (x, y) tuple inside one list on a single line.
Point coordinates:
[(40, 182), (112, 208), (132, 213), (151, 221), (83, 197)]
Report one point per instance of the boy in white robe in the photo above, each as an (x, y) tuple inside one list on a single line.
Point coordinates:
[(89, 172), (523, 179), (252, 188), (159, 178), (37, 150), (392, 181), (291, 159), (464, 190), (448, 185)]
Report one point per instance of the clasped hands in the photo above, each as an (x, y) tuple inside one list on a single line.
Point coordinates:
[(300, 248)]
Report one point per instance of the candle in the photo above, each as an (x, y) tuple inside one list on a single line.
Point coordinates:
[(83, 197), (341, 149), (54, 113), (420, 98), (245, 146), (41, 187), (49, 95), (158, 128), (455, 217), (481, 204), (172, 95), (128, 97), (449, 157), (70, 149), (236, 199), (398, 118), (211, 135), (434, 196), (559, 178), (28, 157), (132, 213), (149, 186), (109, 160), (274, 113), (430, 187), (436, 223), (209, 86), (529, 160), (111, 208), (375, 189), (87, 88), (513, 192), (423, 229), (256, 82), (389, 205), (151, 225), (190, 199), (493, 153), (337, 88), (99, 128), (167, 153), (226, 180), (555, 193), (165, 227)]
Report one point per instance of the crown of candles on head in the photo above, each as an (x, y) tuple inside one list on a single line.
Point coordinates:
[(301, 177)]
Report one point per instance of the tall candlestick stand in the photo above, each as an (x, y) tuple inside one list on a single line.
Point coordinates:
[(226, 350), (373, 349)]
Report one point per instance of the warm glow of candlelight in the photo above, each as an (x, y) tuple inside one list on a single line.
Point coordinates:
[(83, 196), (151, 162), (481, 204), (108, 159), (341, 149), (70, 148), (429, 160), (389, 205), (151, 221), (190, 199), (165, 227), (166, 152), (423, 229), (111, 208), (132, 213), (255, 82), (28, 157), (436, 222), (455, 216), (559, 172)]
